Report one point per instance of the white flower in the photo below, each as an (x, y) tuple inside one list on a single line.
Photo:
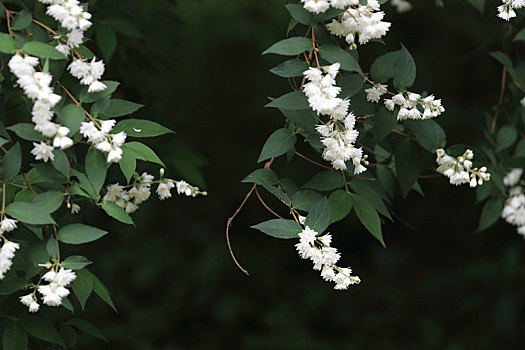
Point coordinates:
[(107, 125), (75, 208), (119, 139), (184, 188), (163, 190), (43, 151), (7, 225), (374, 93), (308, 235), (513, 177), (115, 155), (7, 253)]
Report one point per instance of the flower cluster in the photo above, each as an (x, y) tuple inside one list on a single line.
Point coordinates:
[(72, 17), (365, 21), (7, 253), (36, 86), (401, 5), (506, 10), (459, 170), (97, 132), (52, 293), (514, 209), (374, 93), (324, 257), (409, 102), (339, 134), (88, 73)]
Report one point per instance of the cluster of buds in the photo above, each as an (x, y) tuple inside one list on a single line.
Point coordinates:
[(459, 170), (413, 106)]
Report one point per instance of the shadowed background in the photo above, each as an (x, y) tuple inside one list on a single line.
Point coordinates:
[(199, 71)]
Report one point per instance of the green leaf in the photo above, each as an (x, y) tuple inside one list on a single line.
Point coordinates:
[(101, 291), (333, 54), (404, 70), (280, 194), (106, 40), (26, 131), (350, 84), (408, 164), (52, 248), (96, 168), (88, 97), (49, 202), (143, 152), (41, 328), (290, 46), (14, 285), (61, 162), (72, 117), (326, 180), (341, 204), (141, 128), (520, 36), (382, 69), (12, 163), (318, 218), (29, 213), (490, 214), (295, 100), (291, 68), (520, 149), (128, 163), (22, 20), (384, 123), (117, 212), (14, 337), (368, 216), (305, 118), (82, 287), (87, 327), (366, 189), (507, 135), (305, 199), (279, 228), (517, 75), (7, 44), (300, 14), (428, 133), (75, 262), (119, 108), (79, 234), (42, 50), (278, 144), (262, 177)]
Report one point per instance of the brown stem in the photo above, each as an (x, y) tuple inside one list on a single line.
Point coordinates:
[(265, 205)]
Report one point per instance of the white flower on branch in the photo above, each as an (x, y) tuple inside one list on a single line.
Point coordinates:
[(459, 170), (7, 253)]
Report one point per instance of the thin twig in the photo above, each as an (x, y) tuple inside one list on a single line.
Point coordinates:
[(314, 162), (228, 226), (265, 205)]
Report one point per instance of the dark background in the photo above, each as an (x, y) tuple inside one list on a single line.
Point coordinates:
[(199, 71)]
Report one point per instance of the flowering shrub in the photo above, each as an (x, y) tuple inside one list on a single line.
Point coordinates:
[(370, 135), (60, 140)]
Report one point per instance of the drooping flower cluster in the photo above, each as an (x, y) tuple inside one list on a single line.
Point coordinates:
[(364, 21), (374, 93), (52, 293), (325, 258), (459, 170), (88, 73), (514, 209), (72, 17), (339, 134), (413, 106), (7, 253), (401, 5), (506, 9), (98, 133), (36, 86)]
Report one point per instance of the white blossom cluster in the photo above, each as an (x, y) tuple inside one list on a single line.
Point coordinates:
[(72, 17), (325, 258), (401, 6), (365, 21), (88, 73), (52, 293), (36, 86), (130, 197), (374, 93), (506, 9), (7, 251), (459, 170), (514, 209), (98, 133), (339, 134), (430, 107)]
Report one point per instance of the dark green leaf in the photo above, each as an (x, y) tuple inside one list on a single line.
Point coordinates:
[(11, 163), (143, 152), (279, 228), (102, 292), (429, 134), (277, 144), (96, 168), (50, 201), (87, 97), (87, 327), (61, 162), (41, 328), (319, 216), (408, 164), (333, 54), (291, 68), (295, 100), (368, 216), (290, 46), (262, 177), (507, 135), (404, 70), (29, 213), (79, 234), (42, 50), (106, 40), (7, 44), (384, 123), (305, 199), (141, 128), (14, 337), (326, 180), (341, 204), (490, 214), (382, 69), (300, 14), (128, 163), (72, 117), (26, 131), (119, 108), (75, 262), (82, 287), (22, 20), (117, 212)]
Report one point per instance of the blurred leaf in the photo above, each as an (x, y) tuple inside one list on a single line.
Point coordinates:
[(12, 163), (262, 177), (119, 108), (79, 234), (14, 337), (42, 50), (75, 262), (141, 128), (42, 329), (300, 14), (490, 214), (106, 40), (29, 213), (87, 327), (117, 212), (26, 131), (49, 201), (82, 287), (507, 135), (7, 44), (22, 20)]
